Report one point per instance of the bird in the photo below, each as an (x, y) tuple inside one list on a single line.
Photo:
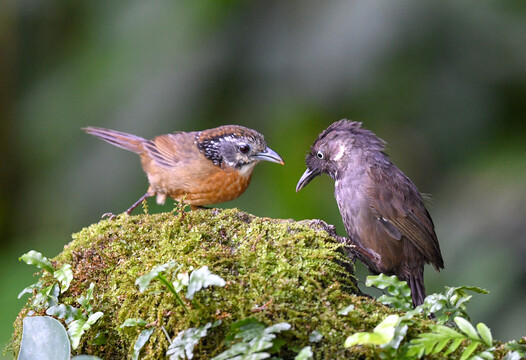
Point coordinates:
[(382, 210), (199, 167)]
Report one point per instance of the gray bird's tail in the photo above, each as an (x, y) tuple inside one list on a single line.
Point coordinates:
[(418, 290), (123, 140)]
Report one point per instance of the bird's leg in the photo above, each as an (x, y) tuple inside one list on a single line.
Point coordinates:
[(367, 256), (138, 202), (112, 216)]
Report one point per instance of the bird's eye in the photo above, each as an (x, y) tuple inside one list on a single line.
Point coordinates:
[(244, 148), (320, 155)]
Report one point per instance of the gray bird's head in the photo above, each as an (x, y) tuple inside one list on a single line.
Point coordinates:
[(236, 147), (336, 148)]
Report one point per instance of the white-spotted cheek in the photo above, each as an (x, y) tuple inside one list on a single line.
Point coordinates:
[(340, 153)]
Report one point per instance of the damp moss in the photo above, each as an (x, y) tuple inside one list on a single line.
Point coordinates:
[(275, 271)]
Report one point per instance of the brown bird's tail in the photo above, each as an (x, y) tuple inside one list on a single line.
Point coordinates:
[(123, 140), (416, 284)]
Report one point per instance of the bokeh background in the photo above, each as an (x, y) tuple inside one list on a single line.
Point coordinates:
[(443, 82)]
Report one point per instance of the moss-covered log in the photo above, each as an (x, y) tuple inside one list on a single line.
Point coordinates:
[(275, 271)]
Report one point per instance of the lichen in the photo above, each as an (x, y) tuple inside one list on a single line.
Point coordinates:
[(275, 271)]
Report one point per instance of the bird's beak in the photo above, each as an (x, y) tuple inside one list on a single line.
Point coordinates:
[(307, 176), (269, 155)]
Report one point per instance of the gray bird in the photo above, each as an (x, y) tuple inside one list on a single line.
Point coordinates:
[(382, 209)]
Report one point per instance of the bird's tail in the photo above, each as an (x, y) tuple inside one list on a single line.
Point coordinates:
[(123, 140), (416, 284)]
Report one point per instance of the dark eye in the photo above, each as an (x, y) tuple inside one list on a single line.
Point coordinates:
[(244, 148), (320, 155)]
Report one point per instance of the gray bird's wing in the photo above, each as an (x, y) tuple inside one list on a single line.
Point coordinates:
[(401, 211)]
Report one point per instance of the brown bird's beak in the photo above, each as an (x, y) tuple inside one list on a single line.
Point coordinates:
[(269, 155), (307, 176)]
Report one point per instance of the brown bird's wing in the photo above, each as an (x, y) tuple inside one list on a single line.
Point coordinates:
[(171, 149), (400, 209)]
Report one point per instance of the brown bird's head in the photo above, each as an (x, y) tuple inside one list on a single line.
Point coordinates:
[(337, 147), (236, 147)]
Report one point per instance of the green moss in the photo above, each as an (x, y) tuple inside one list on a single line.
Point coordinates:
[(276, 271)]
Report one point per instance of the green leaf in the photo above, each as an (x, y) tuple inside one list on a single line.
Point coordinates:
[(513, 355), (92, 319), (64, 275), (470, 349), (254, 339), (202, 278), (43, 338), (485, 355), (85, 299), (144, 281), (315, 336), (382, 334), (466, 327), (30, 288), (173, 290), (305, 354), (142, 339), (133, 322), (66, 312), (485, 334), (182, 346), (399, 294), (75, 331), (77, 328), (35, 258), (346, 310), (440, 345), (453, 346), (516, 347), (46, 297)]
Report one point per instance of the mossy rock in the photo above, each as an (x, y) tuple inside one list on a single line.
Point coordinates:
[(275, 271)]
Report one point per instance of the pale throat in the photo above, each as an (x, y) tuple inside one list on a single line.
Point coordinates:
[(246, 169)]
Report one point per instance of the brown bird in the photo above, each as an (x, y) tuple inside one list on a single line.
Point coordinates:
[(203, 167), (382, 210)]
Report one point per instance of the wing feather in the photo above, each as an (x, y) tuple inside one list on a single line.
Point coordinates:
[(171, 149), (400, 205)]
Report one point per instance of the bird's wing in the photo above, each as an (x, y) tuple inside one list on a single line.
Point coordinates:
[(171, 149), (401, 212)]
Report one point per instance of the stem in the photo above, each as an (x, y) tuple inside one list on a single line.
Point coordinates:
[(171, 288)]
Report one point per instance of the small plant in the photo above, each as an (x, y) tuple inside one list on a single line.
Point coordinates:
[(197, 280), (389, 334), (143, 337), (451, 303), (445, 306), (440, 336), (516, 351), (80, 319), (185, 341), (253, 339), (305, 354), (398, 293), (182, 346), (46, 296)]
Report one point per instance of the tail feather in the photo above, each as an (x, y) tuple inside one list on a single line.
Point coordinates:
[(418, 290), (123, 140)]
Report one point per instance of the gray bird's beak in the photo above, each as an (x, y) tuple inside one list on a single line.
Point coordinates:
[(307, 176), (269, 155)]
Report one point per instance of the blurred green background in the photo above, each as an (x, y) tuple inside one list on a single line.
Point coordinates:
[(444, 83)]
